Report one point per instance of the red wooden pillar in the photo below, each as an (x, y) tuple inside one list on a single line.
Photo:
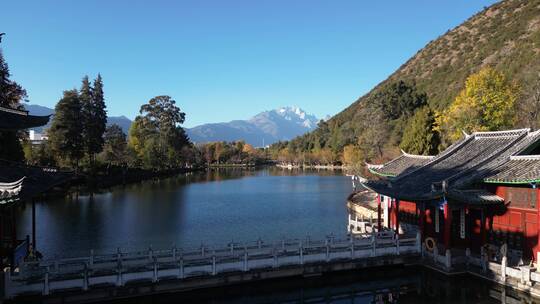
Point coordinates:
[(392, 214), (447, 225), (397, 215), (482, 227), (378, 212)]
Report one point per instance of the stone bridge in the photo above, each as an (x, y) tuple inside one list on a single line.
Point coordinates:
[(177, 267)]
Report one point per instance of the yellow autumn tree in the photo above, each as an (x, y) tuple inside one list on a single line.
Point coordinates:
[(352, 155), (485, 104)]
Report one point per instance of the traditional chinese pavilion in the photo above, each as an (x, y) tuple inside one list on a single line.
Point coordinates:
[(480, 192), (19, 183)]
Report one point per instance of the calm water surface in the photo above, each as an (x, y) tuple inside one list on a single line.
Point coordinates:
[(212, 207)]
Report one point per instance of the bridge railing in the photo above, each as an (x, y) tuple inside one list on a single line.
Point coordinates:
[(119, 267)]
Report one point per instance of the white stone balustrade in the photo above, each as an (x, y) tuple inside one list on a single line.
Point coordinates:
[(121, 267)]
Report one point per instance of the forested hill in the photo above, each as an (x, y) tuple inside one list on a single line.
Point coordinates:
[(505, 36)]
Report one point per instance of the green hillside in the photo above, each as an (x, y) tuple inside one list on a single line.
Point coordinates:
[(505, 36)]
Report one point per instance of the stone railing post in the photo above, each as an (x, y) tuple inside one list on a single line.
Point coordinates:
[(202, 250), (119, 279), (301, 253), (150, 253), (118, 255), (155, 274), (181, 268), (503, 269), (85, 277), (232, 248), (327, 250), (526, 275), (538, 261), (283, 245), (259, 243), (435, 253), (246, 268), (448, 260), (46, 287), (275, 257), (214, 271), (467, 256), (174, 252)]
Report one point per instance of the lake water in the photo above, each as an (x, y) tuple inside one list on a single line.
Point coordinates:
[(218, 206), (211, 207)]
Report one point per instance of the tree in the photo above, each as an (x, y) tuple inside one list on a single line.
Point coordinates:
[(87, 109), (485, 104), (94, 116), (419, 136), (529, 107), (400, 99), (114, 148), (156, 135), (352, 155), (11, 95), (65, 133)]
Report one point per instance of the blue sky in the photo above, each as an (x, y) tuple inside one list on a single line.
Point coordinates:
[(220, 60)]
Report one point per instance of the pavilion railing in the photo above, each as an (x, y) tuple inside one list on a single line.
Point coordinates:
[(120, 267)]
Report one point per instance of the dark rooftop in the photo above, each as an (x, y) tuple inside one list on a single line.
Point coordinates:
[(402, 164), (11, 119), (456, 169)]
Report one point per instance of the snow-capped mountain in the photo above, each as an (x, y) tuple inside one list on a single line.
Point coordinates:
[(262, 129)]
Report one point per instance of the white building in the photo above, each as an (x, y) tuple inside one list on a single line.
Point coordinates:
[(36, 137)]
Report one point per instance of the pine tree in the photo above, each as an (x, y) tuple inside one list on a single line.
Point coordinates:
[(87, 109), (99, 115), (94, 116), (11, 95), (65, 133), (419, 137)]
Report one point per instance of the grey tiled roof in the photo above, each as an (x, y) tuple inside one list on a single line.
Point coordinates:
[(11, 119), (470, 160), (518, 169), (474, 196), (403, 163)]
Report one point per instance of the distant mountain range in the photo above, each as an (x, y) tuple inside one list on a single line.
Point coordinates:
[(262, 129), (122, 121)]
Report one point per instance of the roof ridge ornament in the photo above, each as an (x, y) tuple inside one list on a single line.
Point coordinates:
[(513, 132), (373, 166), (465, 133), (417, 155), (525, 157)]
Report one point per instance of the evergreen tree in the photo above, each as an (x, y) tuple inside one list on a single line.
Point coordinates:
[(114, 148), (65, 133), (95, 127), (419, 136), (87, 109), (11, 95)]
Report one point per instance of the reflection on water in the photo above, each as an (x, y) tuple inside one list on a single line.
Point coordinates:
[(407, 285), (212, 207)]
